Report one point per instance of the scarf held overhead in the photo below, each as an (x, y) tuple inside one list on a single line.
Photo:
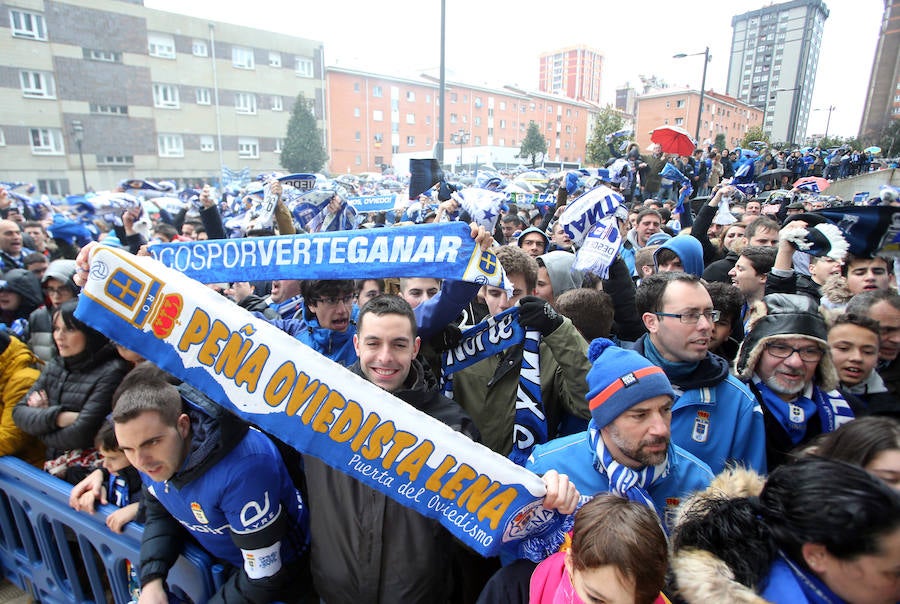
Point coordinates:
[(316, 406), (416, 251)]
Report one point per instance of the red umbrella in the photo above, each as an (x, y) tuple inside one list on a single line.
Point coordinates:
[(673, 139), (817, 180)]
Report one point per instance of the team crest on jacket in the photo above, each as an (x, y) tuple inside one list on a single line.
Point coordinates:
[(701, 427), (199, 514)]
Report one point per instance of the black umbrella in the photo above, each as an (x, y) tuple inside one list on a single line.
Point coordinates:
[(775, 174)]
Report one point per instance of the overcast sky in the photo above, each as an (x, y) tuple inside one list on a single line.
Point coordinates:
[(498, 42)]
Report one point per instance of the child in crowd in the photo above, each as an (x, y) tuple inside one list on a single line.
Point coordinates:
[(618, 553), (121, 479)]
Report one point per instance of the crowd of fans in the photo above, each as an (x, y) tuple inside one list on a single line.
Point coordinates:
[(721, 407)]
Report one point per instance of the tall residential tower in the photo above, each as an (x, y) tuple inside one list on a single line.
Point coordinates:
[(774, 55), (883, 94), (573, 73)]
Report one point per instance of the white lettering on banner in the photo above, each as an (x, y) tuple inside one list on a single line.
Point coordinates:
[(249, 253)]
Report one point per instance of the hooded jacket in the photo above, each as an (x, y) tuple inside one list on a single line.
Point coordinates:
[(715, 416), (234, 495), (26, 284), (366, 547), (40, 323), (17, 374), (559, 268), (530, 230), (689, 251)]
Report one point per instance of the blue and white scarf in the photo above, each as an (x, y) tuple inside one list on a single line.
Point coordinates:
[(491, 337), (832, 409), (424, 250), (268, 378), (530, 423), (624, 481)]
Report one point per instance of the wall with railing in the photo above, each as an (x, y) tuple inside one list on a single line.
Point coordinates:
[(59, 555)]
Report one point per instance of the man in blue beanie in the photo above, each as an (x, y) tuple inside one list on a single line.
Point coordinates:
[(626, 449)]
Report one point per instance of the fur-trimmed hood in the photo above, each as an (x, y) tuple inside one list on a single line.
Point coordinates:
[(703, 578), (782, 316)]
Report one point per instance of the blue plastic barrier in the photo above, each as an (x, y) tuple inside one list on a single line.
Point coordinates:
[(59, 555)]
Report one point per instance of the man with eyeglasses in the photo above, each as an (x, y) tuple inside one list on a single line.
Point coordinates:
[(786, 362), (714, 416)]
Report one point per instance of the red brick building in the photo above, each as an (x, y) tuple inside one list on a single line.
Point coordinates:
[(722, 114), (375, 120), (573, 72)]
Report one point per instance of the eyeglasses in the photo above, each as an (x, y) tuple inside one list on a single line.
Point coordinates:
[(808, 354), (693, 316), (56, 290), (334, 301)]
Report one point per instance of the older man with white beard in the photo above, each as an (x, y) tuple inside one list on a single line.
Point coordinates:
[(786, 362)]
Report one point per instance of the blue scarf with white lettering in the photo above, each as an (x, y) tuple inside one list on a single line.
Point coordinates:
[(832, 409), (530, 423), (425, 250), (491, 337)]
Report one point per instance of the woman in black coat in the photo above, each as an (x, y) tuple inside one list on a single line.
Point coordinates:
[(70, 400)]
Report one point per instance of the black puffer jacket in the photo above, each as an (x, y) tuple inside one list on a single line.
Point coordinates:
[(366, 547), (83, 383)]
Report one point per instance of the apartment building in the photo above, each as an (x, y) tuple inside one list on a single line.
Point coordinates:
[(574, 72), (774, 57), (377, 120), (95, 91), (722, 114)]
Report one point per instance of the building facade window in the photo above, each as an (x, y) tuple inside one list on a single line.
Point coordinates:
[(24, 24), (2, 138), (53, 186), (277, 103), (377, 115), (46, 141), (242, 58), (165, 96), (245, 103), (279, 145), (377, 91), (37, 84), (199, 48), (248, 148), (161, 45), (170, 145), (105, 56), (411, 141), (207, 144), (357, 136), (304, 67), (109, 109), (356, 112), (115, 160), (410, 118), (204, 96), (274, 59)]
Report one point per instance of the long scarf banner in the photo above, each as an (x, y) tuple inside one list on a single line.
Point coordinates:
[(316, 406), (446, 250), (491, 336)]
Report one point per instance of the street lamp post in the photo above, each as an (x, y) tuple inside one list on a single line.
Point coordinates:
[(706, 57), (460, 138), (829, 109), (78, 134)]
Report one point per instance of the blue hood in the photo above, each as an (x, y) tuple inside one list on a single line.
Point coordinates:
[(689, 250)]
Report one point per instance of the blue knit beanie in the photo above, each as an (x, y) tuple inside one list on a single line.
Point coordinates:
[(620, 379)]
